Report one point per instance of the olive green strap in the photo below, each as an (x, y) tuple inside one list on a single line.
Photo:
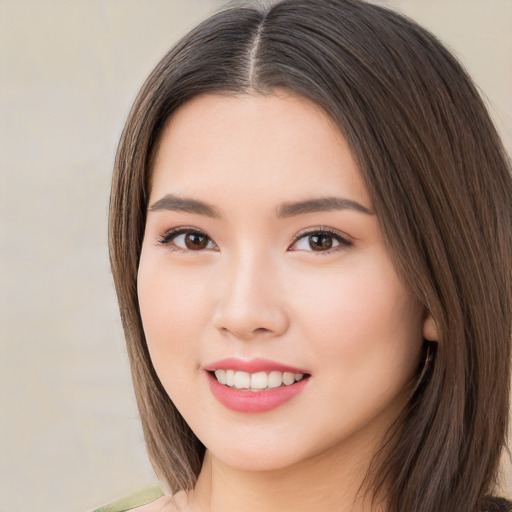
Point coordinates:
[(134, 500)]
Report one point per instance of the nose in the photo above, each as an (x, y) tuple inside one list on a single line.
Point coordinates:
[(251, 301)]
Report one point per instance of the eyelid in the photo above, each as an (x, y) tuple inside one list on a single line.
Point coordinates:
[(342, 238), (168, 236)]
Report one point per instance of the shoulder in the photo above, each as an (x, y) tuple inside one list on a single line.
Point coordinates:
[(150, 499)]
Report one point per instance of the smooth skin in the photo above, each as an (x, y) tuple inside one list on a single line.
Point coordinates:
[(244, 274)]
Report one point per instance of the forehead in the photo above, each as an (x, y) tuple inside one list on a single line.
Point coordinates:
[(255, 145)]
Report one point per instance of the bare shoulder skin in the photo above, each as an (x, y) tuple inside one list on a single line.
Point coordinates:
[(163, 504)]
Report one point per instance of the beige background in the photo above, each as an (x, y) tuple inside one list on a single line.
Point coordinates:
[(69, 70)]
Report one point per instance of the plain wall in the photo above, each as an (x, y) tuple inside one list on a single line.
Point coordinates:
[(69, 433)]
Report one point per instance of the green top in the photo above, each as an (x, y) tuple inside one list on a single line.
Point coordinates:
[(134, 500)]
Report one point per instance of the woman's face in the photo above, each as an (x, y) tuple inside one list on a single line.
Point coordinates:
[(262, 258)]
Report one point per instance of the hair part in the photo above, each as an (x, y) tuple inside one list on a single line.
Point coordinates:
[(440, 184)]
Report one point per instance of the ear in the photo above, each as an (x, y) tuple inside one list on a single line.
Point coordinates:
[(430, 331)]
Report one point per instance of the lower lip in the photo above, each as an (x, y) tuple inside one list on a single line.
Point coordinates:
[(253, 401)]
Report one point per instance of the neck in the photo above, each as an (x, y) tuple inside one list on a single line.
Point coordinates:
[(334, 483)]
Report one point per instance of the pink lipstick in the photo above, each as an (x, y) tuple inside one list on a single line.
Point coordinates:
[(256, 385)]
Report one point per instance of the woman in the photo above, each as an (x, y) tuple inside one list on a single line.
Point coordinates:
[(311, 239)]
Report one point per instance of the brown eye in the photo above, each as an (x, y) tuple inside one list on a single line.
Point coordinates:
[(320, 241), (196, 241), (187, 240)]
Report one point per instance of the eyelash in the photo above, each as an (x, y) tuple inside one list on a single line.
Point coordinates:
[(336, 235), (168, 238)]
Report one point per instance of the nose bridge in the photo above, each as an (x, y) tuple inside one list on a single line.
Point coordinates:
[(251, 301)]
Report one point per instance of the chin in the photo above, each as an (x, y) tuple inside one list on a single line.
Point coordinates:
[(256, 459)]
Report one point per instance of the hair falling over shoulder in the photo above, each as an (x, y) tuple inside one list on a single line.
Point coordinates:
[(441, 186)]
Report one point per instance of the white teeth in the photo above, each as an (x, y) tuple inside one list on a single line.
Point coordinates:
[(242, 380), (230, 377), (275, 379), (288, 378), (257, 381), (221, 376)]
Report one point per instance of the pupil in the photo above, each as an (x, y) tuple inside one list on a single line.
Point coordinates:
[(320, 242), (196, 241)]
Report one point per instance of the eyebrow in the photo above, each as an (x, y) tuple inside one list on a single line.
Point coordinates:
[(172, 202), (322, 204), (184, 204)]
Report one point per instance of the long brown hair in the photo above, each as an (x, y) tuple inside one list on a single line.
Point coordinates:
[(441, 186)]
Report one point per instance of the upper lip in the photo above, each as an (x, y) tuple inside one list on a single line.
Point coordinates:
[(251, 365)]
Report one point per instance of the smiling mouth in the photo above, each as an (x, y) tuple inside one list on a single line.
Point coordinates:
[(259, 381)]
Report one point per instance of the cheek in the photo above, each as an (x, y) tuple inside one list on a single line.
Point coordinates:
[(363, 321), (365, 343), (173, 308)]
